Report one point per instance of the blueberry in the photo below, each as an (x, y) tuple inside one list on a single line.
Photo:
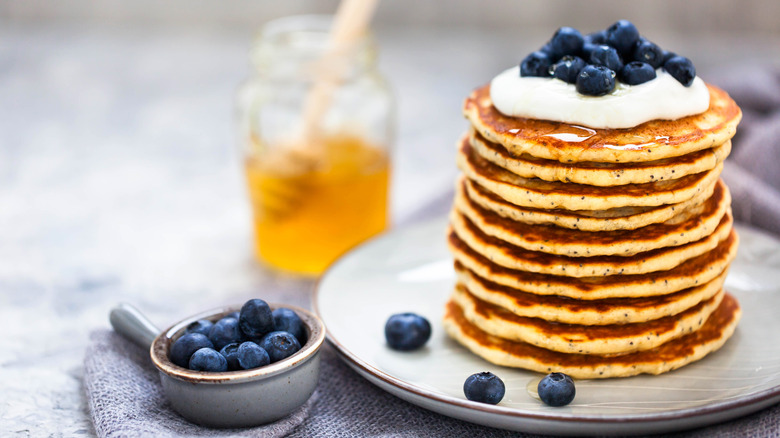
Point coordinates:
[(667, 56), (230, 351), (182, 349), (256, 319), (280, 345), (595, 80), (635, 73), (587, 50), (287, 320), (681, 68), (556, 389), (208, 359), (407, 331), (536, 64), (648, 52), (251, 355), (201, 326), (234, 314), (606, 56), (225, 331), (623, 36), (567, 69), (566, 41), (484, 387), (596, 38)]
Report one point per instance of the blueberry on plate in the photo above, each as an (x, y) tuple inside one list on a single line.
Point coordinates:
[(623, 36), (681, 68), (225, 331), (230, 351), (649, 52), (595, 80), (208, 359), (606, 56), (536, 64), (407, 331), (251, 355), (484, 387), (635, 73), (256, 319), (201, 326), (287, 320), (186, 345), (567, 68), (280, 345), (556, 389), (566, 41)]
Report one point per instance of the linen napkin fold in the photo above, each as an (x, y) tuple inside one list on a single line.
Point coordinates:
[(753, 169), (126, 399)]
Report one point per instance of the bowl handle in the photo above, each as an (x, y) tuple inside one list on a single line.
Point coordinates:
[(133, 325)]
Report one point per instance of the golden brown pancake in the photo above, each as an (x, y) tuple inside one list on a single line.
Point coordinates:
[(514, 257), (578, 338), (650, 141), (691, 225), (669, 356), (600, 174), (555, 308), (536, 193), (691, 273), (625, 218)]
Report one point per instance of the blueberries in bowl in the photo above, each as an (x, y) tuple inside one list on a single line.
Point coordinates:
[(186, 345), (288, 321), (225, 331), (256, 319), (251, 338), (556, 389), (208, 359), (613, 48), (484, 387), (280, 345)]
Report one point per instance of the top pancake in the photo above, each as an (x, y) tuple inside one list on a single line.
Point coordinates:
[(650, 141)]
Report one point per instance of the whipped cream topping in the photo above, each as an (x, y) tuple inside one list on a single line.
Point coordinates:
[(627, 106)]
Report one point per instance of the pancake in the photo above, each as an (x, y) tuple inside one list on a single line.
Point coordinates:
[(669, 356), (514, 257), (536, 193), (691, 225), (650, 141), (625, 218), (566, 310), (582, 339), (600, 174), (693, 272)]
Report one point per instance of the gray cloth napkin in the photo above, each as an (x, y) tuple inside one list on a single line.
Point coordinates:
[(126, 399), (753, 169)]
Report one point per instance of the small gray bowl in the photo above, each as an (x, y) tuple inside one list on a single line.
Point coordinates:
[(233, 398)]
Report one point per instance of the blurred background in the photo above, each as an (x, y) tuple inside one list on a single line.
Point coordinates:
[(120, 175)]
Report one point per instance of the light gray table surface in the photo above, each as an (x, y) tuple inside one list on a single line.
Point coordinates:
[(120, 181)]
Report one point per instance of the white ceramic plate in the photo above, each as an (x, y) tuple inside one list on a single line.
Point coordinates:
[(410, 269)]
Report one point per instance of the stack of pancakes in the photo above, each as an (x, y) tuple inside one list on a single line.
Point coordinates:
[(593, 252)]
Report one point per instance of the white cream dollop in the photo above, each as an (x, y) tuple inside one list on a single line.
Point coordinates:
[(627, 106)]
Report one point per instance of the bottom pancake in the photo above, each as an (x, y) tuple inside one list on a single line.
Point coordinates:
[(669, 356)]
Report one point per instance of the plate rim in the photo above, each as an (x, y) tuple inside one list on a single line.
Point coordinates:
[(762, 399)]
